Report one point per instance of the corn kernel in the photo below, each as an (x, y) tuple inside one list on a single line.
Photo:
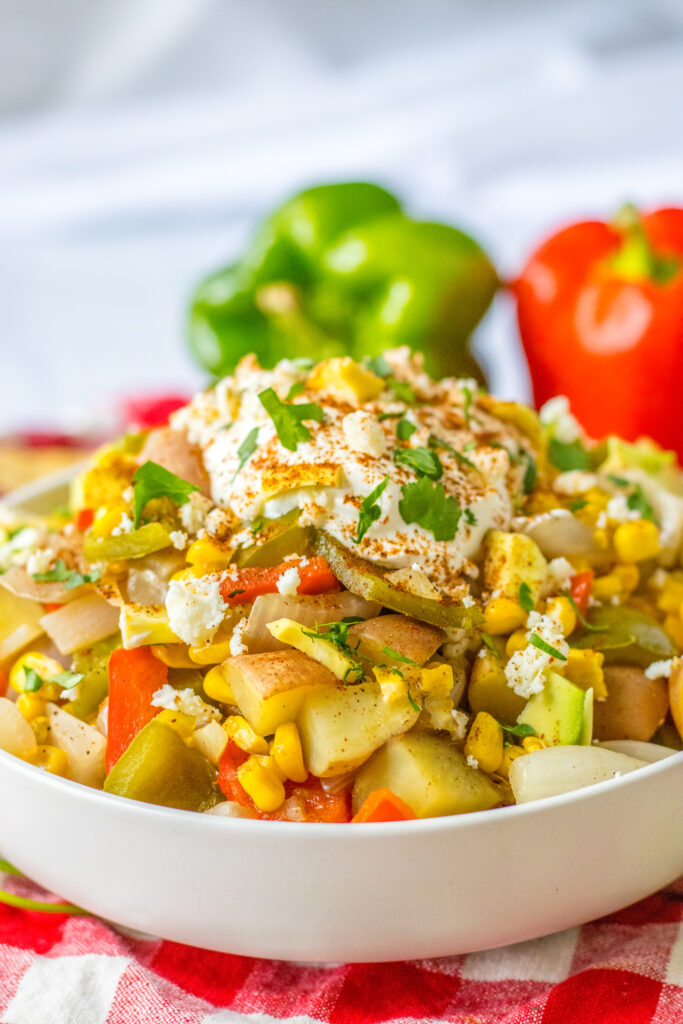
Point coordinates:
[(31, 705), (437, 680), (620, 582), (214, 653), (241, 733), (173, 655), (636, 541), (178, 720), (670, 597), (51, 759), (41, 729), (485, 742), (108, 518), (510, 754), (216, 686), (517, 641), (261, 783), (584, 669), (287, 754), (674, 627), (560, 610), (532, 744), (503, 615), (207, 555), (46, 668)]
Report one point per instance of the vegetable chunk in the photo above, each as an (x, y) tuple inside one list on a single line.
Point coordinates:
[(377, 638)]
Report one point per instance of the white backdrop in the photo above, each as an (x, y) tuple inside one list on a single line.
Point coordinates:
[(141, 141)]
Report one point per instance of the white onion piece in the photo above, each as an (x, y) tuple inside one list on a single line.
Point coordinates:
[(307, 610), (650, 752), (84, 746), (102, 720), (16, 735), (556, 770), (558, 534), (81, 623), (338, 783), (229, 809), (21, 583), (148, 579)]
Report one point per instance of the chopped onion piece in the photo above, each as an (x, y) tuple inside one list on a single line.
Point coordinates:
[(16, 735), (558, 534), (650, 752), (306, 610), (81, 623), (84, 746), (556, 770), (21, 583), (229, 809)]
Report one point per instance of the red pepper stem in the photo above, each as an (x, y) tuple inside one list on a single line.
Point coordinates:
[(636, 260)]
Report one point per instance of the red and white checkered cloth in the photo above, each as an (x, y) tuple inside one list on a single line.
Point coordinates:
[(623, 969)]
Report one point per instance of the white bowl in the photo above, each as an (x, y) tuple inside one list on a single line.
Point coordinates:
[(346, 893)]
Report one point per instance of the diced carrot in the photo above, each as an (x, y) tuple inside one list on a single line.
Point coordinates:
[(84, 519), (383, 805), (581, 588), (246, 585), (134, 678)]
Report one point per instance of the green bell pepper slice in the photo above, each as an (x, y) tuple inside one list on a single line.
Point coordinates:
[(159, 768), (276, 540), (93, 664), (625, 636), (144, 541)]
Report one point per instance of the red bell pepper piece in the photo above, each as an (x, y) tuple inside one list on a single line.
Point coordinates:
[(84, 519), (384, 805), (3, 683), (134, 678), (600, 309), (581, 588), (247, 584)]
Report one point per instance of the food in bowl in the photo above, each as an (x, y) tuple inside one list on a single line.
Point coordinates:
[(349, 592)]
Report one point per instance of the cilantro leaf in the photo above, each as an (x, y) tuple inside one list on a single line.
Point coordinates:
[(470, 517), (436, 442), (379, 366), (370, 510), (389, 416), (67, 680), (490, 644), (580, 617), (577, 505), (257, 526), (402, 390), (297, 387), (32, 681), (397, 656), (405, 429), (467, 392), (541, 645), (246, 450), (567, 456), (424, 461), (337, 633), (427, 504), (69, 577), (525, 598), (618, 481), (288, 418), (153, 481), (529, 474), (411, 700), (523, 729), (637, 502)]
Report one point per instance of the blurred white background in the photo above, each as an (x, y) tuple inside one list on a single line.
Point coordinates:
[(141, 140)]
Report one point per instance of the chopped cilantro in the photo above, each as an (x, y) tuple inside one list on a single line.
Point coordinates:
[(436, 442), (541, 645), (389, 416), (397, 656), (370, 510), (467, 392), (288, 418), (246, 450), (67, 680), (577, 505), (523, 729), (235, 593), (297, 387), (405, 429), (32, 681), (567, 456), (69, 577), (153, 481), (618, 481), (471, 446), (529, 474), (424, 461), (490, 644), (337, 633), (379, 366), (525, 598), (637, 502), (402, 390), (258, 526), (411, 700), (580, 617), (427, 504), (470, 517)]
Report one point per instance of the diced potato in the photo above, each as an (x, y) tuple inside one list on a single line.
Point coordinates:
[(16, 735), (142, 625), (511, 559), (323, 651), (488, 690), (211, 740), (345, 377), (269, 688), (635, 706), (19, 624), (412, 639), (84, 746), (341, 726), (430, 774)]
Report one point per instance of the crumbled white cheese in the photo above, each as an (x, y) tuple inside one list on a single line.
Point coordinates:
[(39, 561), (574, 481), (124, 526), (659, 669), (364, 434), (178, 539), (472, 761), (16, 551), (194, 512), (525, 671), (288, 582), (601, 521), (558, 576), (195, 609), (468, 601), (562, 425), (618, 510), (186, 701), (461, 721), (219, 523), (237, 644)]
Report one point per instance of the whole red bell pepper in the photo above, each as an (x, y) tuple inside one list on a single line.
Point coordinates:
[(600, 310), (134, 678)]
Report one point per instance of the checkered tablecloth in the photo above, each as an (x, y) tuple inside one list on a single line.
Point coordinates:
[(623, 969)]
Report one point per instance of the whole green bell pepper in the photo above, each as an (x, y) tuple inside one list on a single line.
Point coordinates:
[(340, 269)]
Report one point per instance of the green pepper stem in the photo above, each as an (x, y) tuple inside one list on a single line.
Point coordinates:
[(636, 260)]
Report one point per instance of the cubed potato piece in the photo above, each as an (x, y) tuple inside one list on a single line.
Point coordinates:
[(16, 735), (142, 625), (19, 624), (430, 774), (211, 741), (635, 706), (317, 647), (84, 746), (342, 726), (488, 690), (269, 688), (414, 640), (511, 559)]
